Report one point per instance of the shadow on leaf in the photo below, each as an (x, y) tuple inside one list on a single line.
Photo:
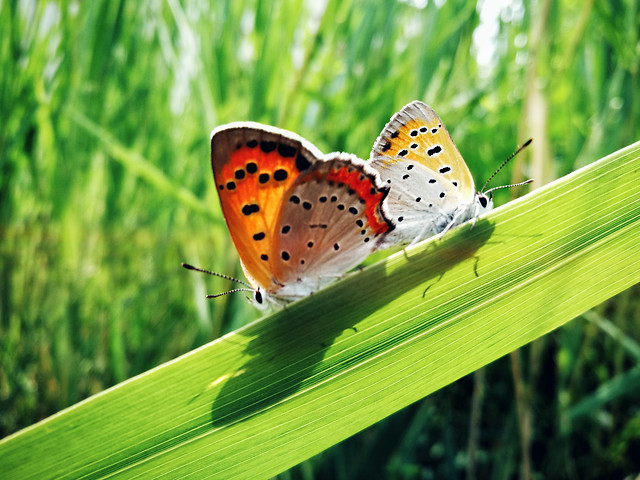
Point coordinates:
[(286, 349)]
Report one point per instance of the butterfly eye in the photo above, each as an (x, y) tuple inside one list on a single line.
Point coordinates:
[(257, 296), (483, 201)]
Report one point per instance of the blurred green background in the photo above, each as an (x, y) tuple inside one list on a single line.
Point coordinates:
[(105, 187)]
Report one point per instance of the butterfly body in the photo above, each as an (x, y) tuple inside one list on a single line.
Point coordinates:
[(431, 188), (299, 219)]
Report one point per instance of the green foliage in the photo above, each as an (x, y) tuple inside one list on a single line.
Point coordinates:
[(105, 187)]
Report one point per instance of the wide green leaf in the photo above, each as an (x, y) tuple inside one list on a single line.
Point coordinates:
[(284, 388)]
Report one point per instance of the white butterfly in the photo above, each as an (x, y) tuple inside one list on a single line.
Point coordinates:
[(432, 189)]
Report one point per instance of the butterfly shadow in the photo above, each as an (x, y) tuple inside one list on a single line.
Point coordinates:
[(285, 352)]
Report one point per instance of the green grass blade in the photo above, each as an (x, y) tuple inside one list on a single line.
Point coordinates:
[(141, 167), (282, 389), (627, 383)]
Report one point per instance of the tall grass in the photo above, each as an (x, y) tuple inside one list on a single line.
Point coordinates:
[(105, 187)]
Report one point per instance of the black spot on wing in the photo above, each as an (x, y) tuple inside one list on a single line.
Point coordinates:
[(434, 151), (302, 163), (280, 174), (286, 150), (250, 208), (267, 146)]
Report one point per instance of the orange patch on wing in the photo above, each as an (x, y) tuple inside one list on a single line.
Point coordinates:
[(403, 139), (367, 191), (253, 185)]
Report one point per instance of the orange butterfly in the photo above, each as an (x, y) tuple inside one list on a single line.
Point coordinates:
[(299, 219)]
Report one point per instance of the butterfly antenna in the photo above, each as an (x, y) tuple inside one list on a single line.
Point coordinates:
[(221, 275), (518, 150), (509, 186), (230, 291)]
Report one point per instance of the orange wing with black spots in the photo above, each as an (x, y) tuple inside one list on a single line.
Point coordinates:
[(253, 168), (295, 216)]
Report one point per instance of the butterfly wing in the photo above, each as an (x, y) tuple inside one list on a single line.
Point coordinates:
[(332, 219), (254, 166), (416, 134), (429, 179), (277, 196), (421, 202)]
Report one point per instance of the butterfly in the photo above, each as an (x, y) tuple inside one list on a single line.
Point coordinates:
[(432, 189), (298, 219)]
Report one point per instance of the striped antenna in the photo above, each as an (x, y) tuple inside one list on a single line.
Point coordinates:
[(221, 275), (509, 158)]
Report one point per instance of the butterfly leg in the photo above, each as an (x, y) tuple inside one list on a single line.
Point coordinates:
[(452, 223), (476, 214), (320, 284), (422, 232)]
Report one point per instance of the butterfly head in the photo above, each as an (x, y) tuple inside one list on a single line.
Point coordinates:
[(484, 202), (259, 300)]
